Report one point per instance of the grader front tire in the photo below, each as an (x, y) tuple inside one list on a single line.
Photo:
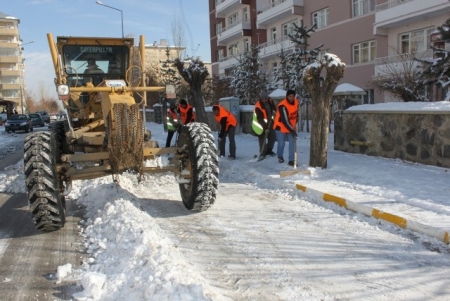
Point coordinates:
[(200, 159), (44, 196)]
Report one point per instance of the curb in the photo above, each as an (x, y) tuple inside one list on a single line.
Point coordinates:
[(437, 233)]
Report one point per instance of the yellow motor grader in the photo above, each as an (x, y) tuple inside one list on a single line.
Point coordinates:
[(101, 84)]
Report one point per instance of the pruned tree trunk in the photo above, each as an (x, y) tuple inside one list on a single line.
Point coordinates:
[(197, 103), (321, 80), (195, 75)]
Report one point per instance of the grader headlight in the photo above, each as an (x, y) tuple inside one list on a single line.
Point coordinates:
[(63, 92)]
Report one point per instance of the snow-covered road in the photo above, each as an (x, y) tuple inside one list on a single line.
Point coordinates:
[(261, 240)]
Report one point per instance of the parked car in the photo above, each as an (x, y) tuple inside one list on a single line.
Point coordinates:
[(37, 119), (53, 117), (19, 122), (44, 115)]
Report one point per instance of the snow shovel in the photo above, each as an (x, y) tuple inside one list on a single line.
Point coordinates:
[(286, 173), (262, 152)]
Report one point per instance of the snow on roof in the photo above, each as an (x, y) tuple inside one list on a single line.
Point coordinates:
[(404, 107), (278, 93), (348, 89)]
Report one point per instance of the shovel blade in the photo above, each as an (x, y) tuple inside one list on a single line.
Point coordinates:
[(287, 173), (261, 157)]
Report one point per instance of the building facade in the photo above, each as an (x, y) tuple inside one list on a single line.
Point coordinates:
[(364, 34), (11, 64)]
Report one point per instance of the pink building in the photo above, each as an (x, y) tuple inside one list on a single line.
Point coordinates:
[(365, 34)]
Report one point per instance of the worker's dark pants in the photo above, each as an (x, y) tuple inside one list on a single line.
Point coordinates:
[(230, 133), (169, 138)]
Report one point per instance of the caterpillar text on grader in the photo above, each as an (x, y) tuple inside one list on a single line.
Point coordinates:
[(104, 132)]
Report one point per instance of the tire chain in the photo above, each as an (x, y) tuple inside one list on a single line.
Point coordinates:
[(125, 143)]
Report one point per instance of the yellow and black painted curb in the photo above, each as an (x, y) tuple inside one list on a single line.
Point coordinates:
[(437, 233)]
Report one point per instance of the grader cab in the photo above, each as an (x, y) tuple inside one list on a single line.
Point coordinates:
[(101, 83)]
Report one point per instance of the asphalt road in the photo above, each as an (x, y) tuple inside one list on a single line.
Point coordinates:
[(28, 258)]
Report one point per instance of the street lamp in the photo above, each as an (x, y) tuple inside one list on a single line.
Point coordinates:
[(121, 13), (22, 75)]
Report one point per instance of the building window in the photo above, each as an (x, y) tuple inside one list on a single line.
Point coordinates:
[(233, 19), (362, 7), (320, 18), (246, 45), (219, 54), (233, 49), (273, 34), (415, 41), (364, 52), (368, 98), (288, 28), (245, 15), (218, 28)]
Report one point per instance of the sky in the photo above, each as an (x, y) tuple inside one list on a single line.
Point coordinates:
[(150, 18), (263, 239)]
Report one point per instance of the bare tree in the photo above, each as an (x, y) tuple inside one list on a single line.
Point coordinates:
[(178, 35), (194, 73), (400, 77), (320, 80)]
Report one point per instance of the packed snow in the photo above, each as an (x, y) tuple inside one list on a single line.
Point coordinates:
[(263, 239)]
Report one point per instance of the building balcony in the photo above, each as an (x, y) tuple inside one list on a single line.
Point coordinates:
[(9, 72), (274, 47), (233, 32), (225, 7), (9, 59), (400, 63), (9, 86), (7, 44), (394, 13), (228, 62), (4, 31), (278, 10)]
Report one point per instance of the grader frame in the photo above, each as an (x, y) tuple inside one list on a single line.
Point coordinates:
[(104, 131)]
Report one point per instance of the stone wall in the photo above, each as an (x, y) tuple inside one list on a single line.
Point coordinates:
[(422, 137)]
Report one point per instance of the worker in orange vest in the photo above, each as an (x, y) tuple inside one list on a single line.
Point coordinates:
[(228, 125), (284, 125), (186, 112)]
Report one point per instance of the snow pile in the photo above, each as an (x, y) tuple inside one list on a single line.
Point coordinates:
[(131, 258)]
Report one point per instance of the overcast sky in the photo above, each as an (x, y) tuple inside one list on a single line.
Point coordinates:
[(150, 18)]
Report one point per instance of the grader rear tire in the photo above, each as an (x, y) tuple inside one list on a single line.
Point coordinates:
[(200, 160), (46, 202)]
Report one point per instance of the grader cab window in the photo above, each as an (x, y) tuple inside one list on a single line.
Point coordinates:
[(94, 63)]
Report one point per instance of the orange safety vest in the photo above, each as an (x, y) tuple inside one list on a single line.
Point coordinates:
[(183, 114), (231, 120), (292, 111)]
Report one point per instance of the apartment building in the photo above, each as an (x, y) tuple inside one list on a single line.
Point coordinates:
[(11, 63), (365, 34), (409, 27), (233, 30)]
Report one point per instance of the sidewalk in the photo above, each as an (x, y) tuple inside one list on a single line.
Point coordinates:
[(410, 195)]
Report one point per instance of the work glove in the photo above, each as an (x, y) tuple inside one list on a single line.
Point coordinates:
[(294, 134), (220, 136)]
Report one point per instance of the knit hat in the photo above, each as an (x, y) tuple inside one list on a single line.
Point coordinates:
[(264, 95), (289, 92)]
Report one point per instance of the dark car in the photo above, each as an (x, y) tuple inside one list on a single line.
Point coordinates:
[(44, 115), (37, 119), (18, 122)]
